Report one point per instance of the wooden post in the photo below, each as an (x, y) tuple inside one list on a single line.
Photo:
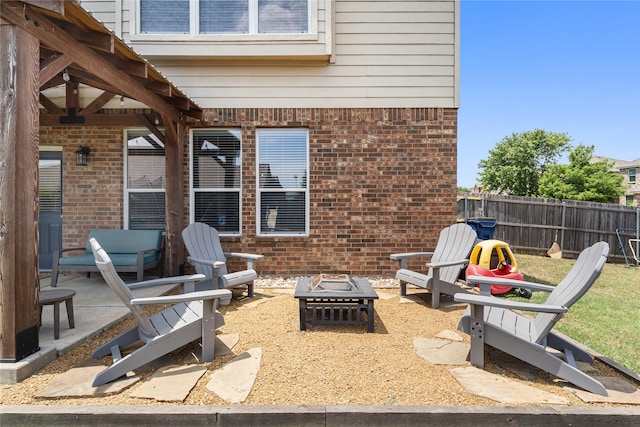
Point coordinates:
[(174, 200), (19, 283)]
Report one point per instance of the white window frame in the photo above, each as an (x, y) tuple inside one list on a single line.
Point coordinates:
[(631, 173), (252, 36), (125, 179), (259, 190), (193, 190)]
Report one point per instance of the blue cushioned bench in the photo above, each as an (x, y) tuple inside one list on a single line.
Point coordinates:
[(130, 251)]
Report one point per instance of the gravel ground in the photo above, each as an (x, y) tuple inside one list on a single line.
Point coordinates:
[(329, 365)]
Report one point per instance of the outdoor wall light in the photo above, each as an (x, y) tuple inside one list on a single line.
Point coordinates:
[(82, 155)]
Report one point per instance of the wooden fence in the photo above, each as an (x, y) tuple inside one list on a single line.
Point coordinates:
[(532, 225)]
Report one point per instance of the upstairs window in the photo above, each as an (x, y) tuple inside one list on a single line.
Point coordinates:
[(216, 178), (144, 185), (283, 195), (224, 17), (632, 175)]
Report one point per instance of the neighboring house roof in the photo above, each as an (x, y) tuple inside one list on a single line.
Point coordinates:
[(617, 164)]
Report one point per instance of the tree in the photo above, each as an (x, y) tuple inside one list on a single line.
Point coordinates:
[(516, 163), (581, 179)]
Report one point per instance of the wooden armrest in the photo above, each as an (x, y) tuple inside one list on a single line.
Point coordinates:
[(446, 263), (398, 257), (503, 303), (167, 281), (215, 264), (243, 255), (191, 296), (479, 280), (150, 250), (82, 248), (251, 258)]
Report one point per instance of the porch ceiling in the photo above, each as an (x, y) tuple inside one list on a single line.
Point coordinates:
[(73, 40)]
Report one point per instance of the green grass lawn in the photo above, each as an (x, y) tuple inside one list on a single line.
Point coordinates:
[(607, 318)]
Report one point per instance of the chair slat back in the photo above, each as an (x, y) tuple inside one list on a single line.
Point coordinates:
[(455, 243), (203, 241), (575, 284), (110, 275)]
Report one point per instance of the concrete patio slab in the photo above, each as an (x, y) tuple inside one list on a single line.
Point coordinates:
[(441, 352), (96, 308), (233, 382), (503, 390), (620, 391), (172, 384), (76, 382)]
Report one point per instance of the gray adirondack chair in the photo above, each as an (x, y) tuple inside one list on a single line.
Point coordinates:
[(193, 316), (447, 260), (208, 258), (491, 321)]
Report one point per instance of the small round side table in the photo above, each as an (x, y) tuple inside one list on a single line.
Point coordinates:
[(55, 297)]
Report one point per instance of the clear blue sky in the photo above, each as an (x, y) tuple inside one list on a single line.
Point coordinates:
[(562, 66)]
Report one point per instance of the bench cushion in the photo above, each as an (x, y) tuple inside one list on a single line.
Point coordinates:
[(118, 259), (126, 241)]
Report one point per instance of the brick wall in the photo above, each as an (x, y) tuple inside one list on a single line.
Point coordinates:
[(380, 181), (92, 194)]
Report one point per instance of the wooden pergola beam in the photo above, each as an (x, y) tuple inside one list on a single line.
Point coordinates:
[(56, 38), (52, 66), (97, 103), (40, 38), (19, 281)]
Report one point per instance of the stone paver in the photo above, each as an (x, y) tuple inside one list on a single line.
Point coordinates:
[(224, 344), (503, 390), (450, 335), (411, 299), (285, 291), (515, 366), (387, 295), (172, 384), (233, 382), (76, 382), (620, 391), (258, 299), (441, 352)]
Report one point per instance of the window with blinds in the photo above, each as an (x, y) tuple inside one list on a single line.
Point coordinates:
[(145, 181), (224, 16), (49, 183), (216, 178), (283, 196)]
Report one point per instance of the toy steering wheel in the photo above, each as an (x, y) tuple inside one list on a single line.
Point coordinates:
[(502, 265)]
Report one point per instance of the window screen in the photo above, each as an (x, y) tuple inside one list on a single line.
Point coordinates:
[(224, 16), (283, 16), (164, 17), (216, 178), (282, 181), (145, 183)]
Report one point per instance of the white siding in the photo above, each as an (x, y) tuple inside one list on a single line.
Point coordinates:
[(382, 54), (103, 10)]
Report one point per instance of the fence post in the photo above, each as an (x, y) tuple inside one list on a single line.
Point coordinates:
[(466, 207), (638, 234), (564, 213)]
